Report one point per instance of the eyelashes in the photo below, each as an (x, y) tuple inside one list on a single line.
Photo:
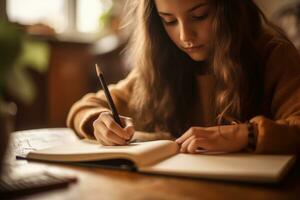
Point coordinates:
[(169, 22), (196, 18), (201, 17)]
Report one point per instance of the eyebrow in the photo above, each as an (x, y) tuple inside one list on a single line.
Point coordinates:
[(189, 10)]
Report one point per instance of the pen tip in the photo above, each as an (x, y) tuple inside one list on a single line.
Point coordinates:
[(98, 69)]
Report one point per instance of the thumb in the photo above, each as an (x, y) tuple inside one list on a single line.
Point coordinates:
[(127, 122), (129, 126)]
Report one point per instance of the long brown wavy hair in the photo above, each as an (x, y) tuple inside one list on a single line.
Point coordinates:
[(166, 85)]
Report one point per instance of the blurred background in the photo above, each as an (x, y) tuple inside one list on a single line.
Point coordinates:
[(48, 49)]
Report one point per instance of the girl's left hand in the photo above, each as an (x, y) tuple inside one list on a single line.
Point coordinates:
[(228, 138)]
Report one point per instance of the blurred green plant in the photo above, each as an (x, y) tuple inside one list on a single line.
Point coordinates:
[(10, 48), (18, 53), (107, 12)]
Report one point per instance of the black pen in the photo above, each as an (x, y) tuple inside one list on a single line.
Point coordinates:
[(108, 96)]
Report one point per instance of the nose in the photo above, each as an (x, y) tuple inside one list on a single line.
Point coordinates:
[(186, 33)]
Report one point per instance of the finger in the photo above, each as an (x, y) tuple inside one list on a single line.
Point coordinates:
[(107, 136), (198, 131), (195, 144), (127, 121), (184, 145), (182, 138), (130, 130), (101, 141), (98, 135), (110, 123), (129, 126), (114, 138)]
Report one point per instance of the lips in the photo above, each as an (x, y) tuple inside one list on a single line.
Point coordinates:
[(194, 48)]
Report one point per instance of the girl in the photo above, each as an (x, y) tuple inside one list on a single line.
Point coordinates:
[(215, 74)]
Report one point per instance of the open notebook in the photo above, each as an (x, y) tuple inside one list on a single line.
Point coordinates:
[(162, 157)]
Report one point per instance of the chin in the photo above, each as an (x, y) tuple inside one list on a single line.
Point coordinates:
[(198, 57)]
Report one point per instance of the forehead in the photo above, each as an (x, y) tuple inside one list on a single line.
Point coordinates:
[(171, 6)]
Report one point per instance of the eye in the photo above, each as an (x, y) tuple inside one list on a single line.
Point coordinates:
[(169, 22), (200, 17)]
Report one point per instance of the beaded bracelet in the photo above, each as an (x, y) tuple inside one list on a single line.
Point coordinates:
[(252, 137)]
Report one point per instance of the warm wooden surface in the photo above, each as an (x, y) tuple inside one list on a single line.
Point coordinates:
[(97, 183)]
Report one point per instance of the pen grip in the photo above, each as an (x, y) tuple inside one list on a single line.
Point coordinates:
[(110, 101)]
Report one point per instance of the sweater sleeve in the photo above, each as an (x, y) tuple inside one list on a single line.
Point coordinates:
[(280, 133), (85, 111)]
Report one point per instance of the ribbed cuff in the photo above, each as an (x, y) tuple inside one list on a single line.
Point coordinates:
[(83, 122)]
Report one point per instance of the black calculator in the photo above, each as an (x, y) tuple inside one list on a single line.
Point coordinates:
[(11, 187)]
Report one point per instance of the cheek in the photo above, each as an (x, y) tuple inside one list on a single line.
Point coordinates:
[(173, 35), (204, 32)]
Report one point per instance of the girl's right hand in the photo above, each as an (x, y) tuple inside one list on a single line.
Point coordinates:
[(108, 132)]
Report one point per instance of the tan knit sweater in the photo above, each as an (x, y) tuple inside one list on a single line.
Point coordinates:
[(279, 133)]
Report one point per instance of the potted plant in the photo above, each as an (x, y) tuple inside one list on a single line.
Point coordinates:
[(10, 48), (18, 52)]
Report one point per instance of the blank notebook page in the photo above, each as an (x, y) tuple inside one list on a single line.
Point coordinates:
[(243, 167)]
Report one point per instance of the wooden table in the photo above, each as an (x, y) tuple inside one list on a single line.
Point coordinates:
[(97, 183), (100, 183)]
